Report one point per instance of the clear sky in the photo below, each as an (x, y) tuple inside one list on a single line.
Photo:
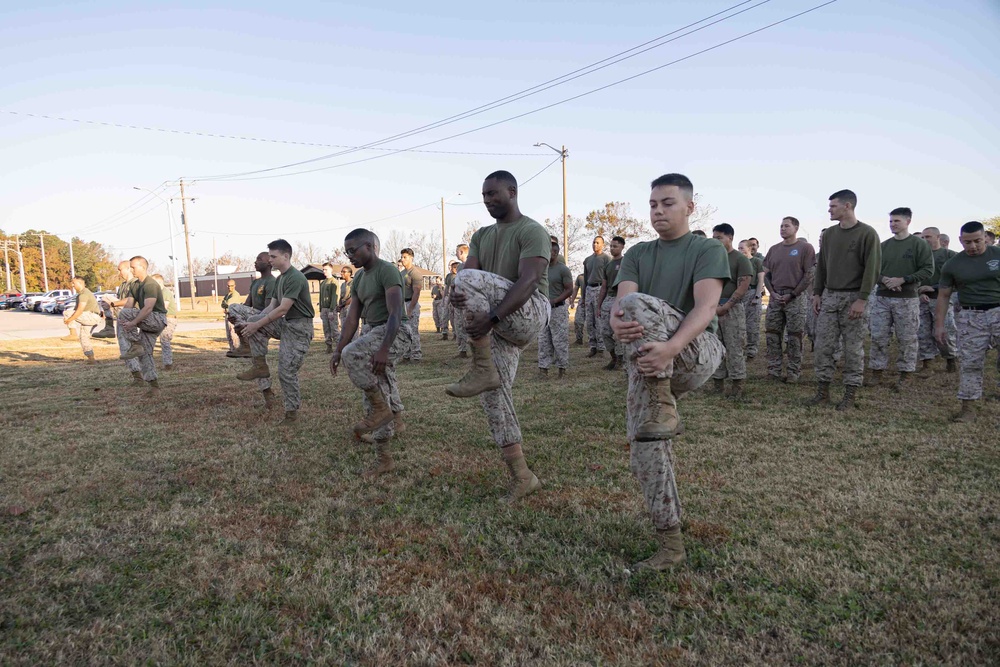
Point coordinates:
[(891, 98)]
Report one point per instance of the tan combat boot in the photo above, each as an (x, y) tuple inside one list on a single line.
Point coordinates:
[(737, 393), (613, 364), (154, 389), (662, 419), (137, 378), (822, 396), (670, 553), (380, 415), (901, 381), (291, 416), (70, 338), (258, 370), (718, 386), (926, 369), (481, 377), (847, 402), (90, 358), (383, 461), (967, 414), (562, 373), (523, 481), (269, 400), (952, 366), (242, 352), (874, 380), (133, 352), (543, 373), (398, 425)]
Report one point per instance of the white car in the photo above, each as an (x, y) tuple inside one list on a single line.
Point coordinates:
[(36, 302)]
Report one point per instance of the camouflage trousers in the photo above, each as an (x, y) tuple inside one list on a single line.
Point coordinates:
[(609, 336), (331, 325), (241, 314), (593, 319), (357, 358), (295, 336), (458, 326), (484, 291), (580, 317), (832, 323), (752, 308), (894, 315), (84, 326), (413, 351), (733, 332), (231, 336), (785, 322), (652, 463), (167, 339), (978, 332), (439, 314), (929, 347), (553, 340), (123, 345), (145, 334)]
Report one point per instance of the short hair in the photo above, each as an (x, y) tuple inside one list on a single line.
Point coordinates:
[(124, 261), (972, 227), (142, 261), (933, 230), (698, 232), (846, 196), (794, 221), (504, 177), (406, 251), (725, 229), (78, 279), (619, 239), (991, 235), (348, 268), (159, 276), (944, 238), (680, 180), (281, 245), (754, 240), (453, 264), (330, 264), (554, 241), (363, 235), (598, 237), (903, 211), (462, 245)]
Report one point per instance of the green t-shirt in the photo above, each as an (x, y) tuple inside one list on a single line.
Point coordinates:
[(292, 284), (977, 279), (86, 302), (500, 247), (327, 294), (411, 276), (560, 278), (757, 263), (369, 290), (262, 291), (611, 270), (739, 267), (581, 286), (668, 270), (437, 292), (173, 307), (125, 288), (148, 289), (230, 297), (345, 291), (849, 260), (909, 258), (593, 268), (941, 255), (448, 280)]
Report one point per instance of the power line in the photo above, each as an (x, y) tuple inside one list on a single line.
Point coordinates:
[(213, 135), (544, 169), (547, 106), (527, 92)]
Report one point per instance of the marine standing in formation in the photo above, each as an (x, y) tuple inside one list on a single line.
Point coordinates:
[(413, 280), (344, 302), (788, 275), (605, 297), (929, 347), (732, 318), (754, 296), (593, 271), (553, 340), (328, 307), (231, 297)]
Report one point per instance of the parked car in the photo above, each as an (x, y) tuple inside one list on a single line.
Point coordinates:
[(7, 298), (23, 303), (35, 303), (59, 304)]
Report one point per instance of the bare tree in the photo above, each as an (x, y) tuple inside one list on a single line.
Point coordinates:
[(307, 253), (616, 219), (470, 228), (392, 245), (703, 214), (426, 248), (579, 238)]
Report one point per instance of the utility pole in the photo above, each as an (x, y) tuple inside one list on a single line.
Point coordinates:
[(45, 273), (20, 263), (187, 241), (444, 246), (564, 154), (215, 269), (72, 268), (6, 263)]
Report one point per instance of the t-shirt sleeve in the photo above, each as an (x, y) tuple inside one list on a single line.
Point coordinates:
[(474, 244), (744, 267), (629, 271), (389, 277), (567, 276), (535, 243), (713, 262), (947, 276)]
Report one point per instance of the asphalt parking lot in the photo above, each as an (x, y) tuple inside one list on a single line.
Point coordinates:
[(21, 325)]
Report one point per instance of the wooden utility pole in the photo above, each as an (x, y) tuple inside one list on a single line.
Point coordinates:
[(444, 246), (6, 262), (72, 267), (45, 273), (20, 263), (565, 216), (187, 242)]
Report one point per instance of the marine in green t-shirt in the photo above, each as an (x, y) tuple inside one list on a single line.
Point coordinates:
[(976, 277), (261, 291), (370, 287), (148, 289), (560, 279), (605, 297), (328, 290), (292, 284), (232, 296), (907, 261), (499, 248)]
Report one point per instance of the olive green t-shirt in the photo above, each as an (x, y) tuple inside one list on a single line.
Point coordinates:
[(500, 248), (581, 286), (593, 268), (437, 292), (668, 270), (86, 302), (173, 307), (369, 290), (125, 288), (849, 260), (448, 280), (148, 289), (977, 279), (611, 270), (739, 267), (345, 292), (910, 259), (941, 255), (262, 291), (757, 263), (327, 293), (292, 284), (411, 276), (560, 278)]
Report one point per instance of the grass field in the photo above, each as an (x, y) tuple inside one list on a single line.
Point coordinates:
[(193, 531)]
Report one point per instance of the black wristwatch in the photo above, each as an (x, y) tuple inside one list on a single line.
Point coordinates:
[(494, 318)]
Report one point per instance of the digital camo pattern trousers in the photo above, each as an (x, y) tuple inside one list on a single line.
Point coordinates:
[(652, 463), (785, 322), (594, 319), (231, 336), (167, 340), (752, 309), (413, 351), (733, 332), (580, 316), (929, 347), (331, 325), (132, 364), (484, 291), (241, 315), (85, 329), (145, 334), (357, 359), (832, 323), (458, 326), (978, 331), (894, 315), (609, 336), (439, 310), (553, 340), (295, 336)]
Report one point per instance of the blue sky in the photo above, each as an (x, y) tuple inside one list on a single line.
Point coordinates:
[(892, 99)]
